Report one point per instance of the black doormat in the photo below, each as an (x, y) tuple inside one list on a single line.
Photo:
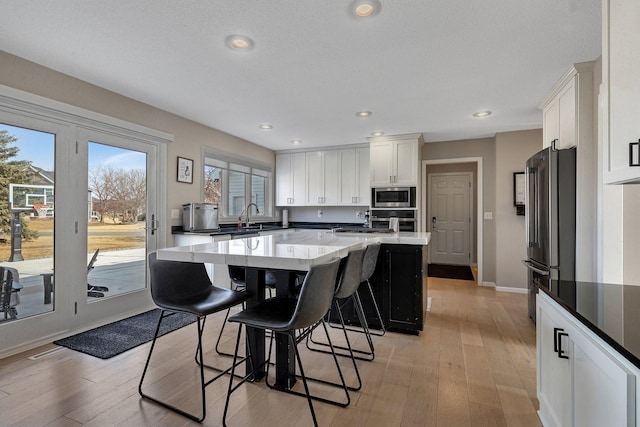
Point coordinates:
[(110, 340), (459, 272)]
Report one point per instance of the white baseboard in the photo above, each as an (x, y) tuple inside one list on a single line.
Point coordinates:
[(512, 290), (488, 284)]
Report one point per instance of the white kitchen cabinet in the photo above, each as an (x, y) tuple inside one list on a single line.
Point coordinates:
[(354, 177), (395, 161), (322, 178), (581, 380), (620, 91), (290, 179), (568, 109)]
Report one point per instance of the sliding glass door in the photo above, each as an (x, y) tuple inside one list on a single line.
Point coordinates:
[(78, 215)]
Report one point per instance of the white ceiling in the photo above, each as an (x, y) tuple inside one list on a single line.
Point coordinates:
[(419, 65)]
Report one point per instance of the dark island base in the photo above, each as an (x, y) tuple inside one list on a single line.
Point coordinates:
[(400, 287)]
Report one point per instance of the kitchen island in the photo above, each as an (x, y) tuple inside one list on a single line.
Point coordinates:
[(399, 282), (288, 253)]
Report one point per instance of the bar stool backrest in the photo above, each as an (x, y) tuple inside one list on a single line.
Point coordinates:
[(315, 296), (173, 282), (351, 274), (370, 261)]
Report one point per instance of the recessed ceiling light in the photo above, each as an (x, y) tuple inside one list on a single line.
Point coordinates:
[(377, 134), (237, 42), (482, 114), (265, 126), (364, 8), (363, 113), (296, 141)]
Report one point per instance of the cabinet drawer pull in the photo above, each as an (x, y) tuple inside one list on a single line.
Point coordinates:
[(634, 153), (558, 333)]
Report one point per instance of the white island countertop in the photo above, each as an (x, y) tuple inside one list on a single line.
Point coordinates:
[(294, 250)]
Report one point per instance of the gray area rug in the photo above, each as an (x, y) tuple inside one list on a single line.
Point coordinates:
[(115, 338)]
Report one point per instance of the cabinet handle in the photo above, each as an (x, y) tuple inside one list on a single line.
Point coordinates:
[(634, 153), (553, 144), (558, 333), (390, 179)]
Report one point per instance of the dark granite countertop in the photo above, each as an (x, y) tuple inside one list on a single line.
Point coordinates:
[(611, 311), (256, 228)]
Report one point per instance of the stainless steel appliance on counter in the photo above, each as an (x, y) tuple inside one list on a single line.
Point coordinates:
[(550, 216), (397, 197), (406, 219), (200, 217)]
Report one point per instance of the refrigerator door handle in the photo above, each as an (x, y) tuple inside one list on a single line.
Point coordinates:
[(530, 266)]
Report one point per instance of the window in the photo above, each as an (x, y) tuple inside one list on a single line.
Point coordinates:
[(234, 183)]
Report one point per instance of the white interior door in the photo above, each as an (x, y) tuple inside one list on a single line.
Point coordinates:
[(449, 218)]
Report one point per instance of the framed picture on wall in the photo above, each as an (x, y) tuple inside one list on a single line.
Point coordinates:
[(185, 170)]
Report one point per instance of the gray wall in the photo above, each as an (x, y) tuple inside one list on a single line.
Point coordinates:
[(512, 151), (484, 148), (503, 243), (189, 139)]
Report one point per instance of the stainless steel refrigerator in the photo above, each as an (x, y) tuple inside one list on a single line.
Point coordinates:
[(550, 216)]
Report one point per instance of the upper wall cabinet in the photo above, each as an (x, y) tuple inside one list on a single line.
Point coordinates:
[(395, 160), (568, 109), (323, 178), (354, 176), (620, 94), (290, 179)]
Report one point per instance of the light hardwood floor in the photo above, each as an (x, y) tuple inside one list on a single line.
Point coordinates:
[(473, 365)]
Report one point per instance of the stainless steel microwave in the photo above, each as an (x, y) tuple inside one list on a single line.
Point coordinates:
[(397, 197)]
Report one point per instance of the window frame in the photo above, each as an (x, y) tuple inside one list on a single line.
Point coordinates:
[(230, 162)]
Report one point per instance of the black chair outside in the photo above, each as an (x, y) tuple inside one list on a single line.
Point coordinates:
[(286, 316), (184, 287), (237, 275), (9, 289), (95, 291)]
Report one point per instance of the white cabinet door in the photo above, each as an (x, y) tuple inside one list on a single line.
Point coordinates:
[(315, 178), (551, 125), (406, 163), (331, 178), (604, 391), (290, 179), (554, 372), (363, 193), (348, 177), (620, 71), (354, 177), (567, 116), (322, 177), (382, 158)]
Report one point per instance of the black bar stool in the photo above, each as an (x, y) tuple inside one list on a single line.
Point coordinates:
[(184, 287), (286, 315)]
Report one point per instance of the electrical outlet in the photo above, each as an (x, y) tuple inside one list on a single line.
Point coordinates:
[(358, 214), (488, 215), (319, 213), (175, 213)]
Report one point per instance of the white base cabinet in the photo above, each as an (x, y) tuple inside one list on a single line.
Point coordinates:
[(581, 380)]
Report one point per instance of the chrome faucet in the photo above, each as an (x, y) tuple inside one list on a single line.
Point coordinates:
[(246, 210)]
